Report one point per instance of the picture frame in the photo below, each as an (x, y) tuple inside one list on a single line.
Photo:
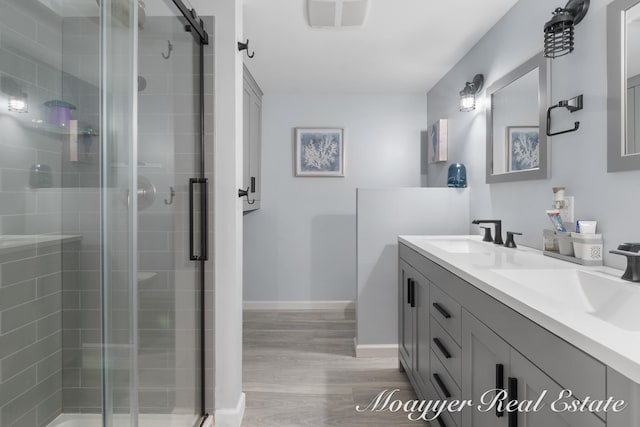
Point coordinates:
[(438, 141), (523, 148), (319, 152)]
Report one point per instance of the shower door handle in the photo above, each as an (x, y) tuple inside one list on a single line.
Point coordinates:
[(203, 255)]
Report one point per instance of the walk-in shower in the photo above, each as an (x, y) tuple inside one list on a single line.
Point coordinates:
[(104, 210)]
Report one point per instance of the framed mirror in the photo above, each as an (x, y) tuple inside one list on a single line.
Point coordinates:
[(623, 85), (517, 146)]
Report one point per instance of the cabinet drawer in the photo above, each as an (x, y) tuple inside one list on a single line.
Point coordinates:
[(447, 350), (447, 312), (443, 383)]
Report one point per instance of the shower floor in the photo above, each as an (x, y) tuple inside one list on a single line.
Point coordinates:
[(145, 420)]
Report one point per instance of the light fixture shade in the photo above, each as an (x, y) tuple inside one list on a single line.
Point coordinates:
[(468, 94), (559, 30), (467, 102)]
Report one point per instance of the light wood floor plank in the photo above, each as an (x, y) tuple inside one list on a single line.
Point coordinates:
[(300, 370)]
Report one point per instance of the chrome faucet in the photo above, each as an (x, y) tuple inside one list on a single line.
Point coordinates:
[(498, 225), (630, 250)]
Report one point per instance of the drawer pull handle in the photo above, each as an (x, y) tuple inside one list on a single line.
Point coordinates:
[(443, 388), (513, 395), (441, 422), (413, 293), (442, 310), (499, 387), (442, 348)]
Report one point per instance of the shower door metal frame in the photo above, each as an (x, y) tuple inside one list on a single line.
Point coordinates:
[(196, 28)]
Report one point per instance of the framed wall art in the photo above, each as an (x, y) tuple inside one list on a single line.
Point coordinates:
[(438, 141), (319, 152)]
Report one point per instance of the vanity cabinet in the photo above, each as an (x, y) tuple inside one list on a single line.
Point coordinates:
[(252, 141), (406, 320), (490, 363), (414, 332), (485, 366), (479, 344)]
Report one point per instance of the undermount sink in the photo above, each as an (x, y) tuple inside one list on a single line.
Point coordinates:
[(611, 300), (460, 246)]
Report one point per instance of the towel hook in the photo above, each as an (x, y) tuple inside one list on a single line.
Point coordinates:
[(170, 46), (245, 46), (573, 105), (172, 195), (245, 193)]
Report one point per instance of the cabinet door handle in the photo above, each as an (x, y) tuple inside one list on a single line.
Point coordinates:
[(442, 348), (408, 291), (443, 388), (513, 395), (413, 293), (253, 184), (499, 387), (442, 310)]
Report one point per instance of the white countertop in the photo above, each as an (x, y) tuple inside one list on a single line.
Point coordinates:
[(20, 242), (617, 346)]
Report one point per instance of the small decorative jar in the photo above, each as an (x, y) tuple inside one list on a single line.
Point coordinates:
[(457, 176)]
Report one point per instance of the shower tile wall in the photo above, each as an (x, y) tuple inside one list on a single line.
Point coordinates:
[(30, 280), (81, 334)]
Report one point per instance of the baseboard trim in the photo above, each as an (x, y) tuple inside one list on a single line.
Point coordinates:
[(231, 417), (375, 350), (208, 422), (299, 305)]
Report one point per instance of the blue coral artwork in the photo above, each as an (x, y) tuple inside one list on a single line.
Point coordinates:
[(523, 149), (319, 152)]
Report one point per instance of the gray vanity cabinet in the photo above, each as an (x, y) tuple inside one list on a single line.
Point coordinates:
[(414, 347), (531, 383), (481, 336), (484, 355), (421, 362), (406, 320)]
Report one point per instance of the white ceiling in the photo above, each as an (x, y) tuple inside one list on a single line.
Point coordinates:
[(404, 45)]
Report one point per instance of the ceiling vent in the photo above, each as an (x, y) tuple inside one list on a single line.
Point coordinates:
[(336, 13)]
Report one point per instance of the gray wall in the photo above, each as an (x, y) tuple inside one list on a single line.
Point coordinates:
[(383, 214), (300, 246), (578, 160)]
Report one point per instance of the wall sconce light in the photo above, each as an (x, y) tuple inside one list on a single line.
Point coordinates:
[(559, 30), (468, 94), (18, 103)]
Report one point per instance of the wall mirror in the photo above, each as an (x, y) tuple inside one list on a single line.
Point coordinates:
[(517, 147), (623, 75)]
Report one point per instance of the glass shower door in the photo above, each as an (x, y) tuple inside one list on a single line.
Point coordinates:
[(170, 164), (102, 192)]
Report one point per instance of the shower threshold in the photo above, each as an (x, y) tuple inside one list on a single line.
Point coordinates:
[(144, 420)]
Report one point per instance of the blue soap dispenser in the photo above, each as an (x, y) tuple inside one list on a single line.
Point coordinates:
[(457, 176)]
